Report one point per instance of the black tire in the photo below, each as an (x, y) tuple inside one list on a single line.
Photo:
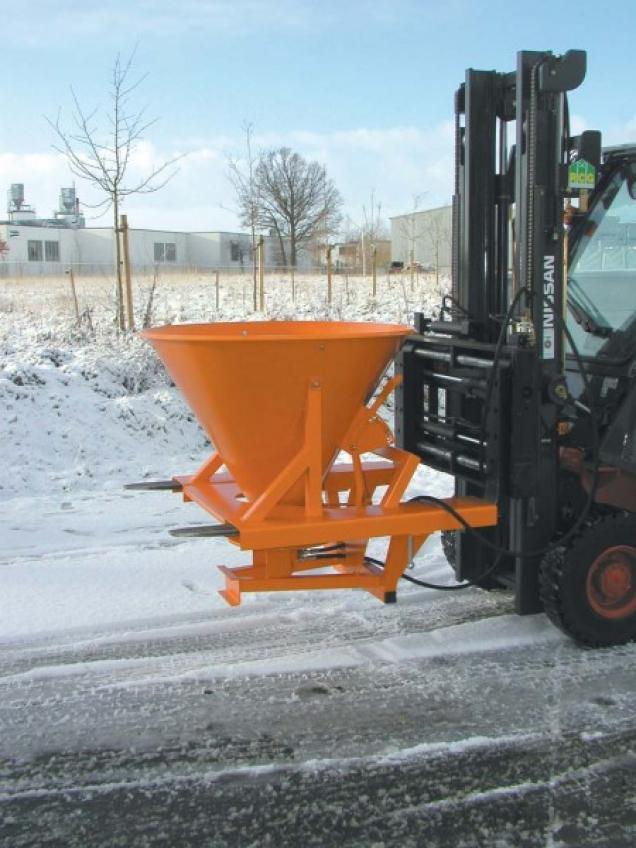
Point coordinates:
[(588, 588), (448, 546)]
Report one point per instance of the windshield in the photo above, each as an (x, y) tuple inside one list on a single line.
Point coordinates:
[(602, 272)]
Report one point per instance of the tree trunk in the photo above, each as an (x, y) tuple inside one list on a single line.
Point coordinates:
[(283, 252)]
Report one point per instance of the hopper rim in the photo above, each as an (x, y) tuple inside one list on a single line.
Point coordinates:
[(285, 331)]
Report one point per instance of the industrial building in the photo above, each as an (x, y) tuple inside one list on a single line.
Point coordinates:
[(66, 215), (355, 255), (423, 237), (31, 245)]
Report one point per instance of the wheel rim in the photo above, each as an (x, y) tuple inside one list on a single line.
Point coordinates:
[(611, 582)]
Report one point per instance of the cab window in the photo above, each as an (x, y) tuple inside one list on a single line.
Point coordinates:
[(602, 271)]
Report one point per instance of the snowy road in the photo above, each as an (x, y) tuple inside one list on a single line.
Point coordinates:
[(136, 709)]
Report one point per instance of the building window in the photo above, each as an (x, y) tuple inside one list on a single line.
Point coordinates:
[(52, 251), (235, 251), (165, 251), (34, 249)]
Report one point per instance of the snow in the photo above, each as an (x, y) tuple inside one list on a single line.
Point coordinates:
[(85, 411), (504, 632), (126, 678), (81, 410)]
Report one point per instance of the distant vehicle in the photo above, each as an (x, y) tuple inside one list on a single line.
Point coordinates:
[(419, 268), (396, 267)]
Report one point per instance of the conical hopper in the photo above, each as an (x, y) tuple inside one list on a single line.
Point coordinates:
[(247, 384)]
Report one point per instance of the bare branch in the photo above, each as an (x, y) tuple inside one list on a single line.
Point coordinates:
[(103, 157), (148, 185), (295, 198)]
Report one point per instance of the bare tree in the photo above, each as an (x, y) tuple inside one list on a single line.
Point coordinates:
[(372, 230), (296, 199), (412, 231), (411, 228), (242, 177), (365, 233), (437, 230), (100, 151)]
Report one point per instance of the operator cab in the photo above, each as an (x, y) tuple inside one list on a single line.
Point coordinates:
[(601, 287)]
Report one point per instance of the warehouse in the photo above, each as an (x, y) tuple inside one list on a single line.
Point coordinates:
[(423, 237), (27, 249), (30, 245)]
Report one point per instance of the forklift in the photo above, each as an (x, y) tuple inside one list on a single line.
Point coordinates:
[(523, 388)]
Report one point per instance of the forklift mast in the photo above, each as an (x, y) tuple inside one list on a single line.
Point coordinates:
[(483, 386), (532, 181)]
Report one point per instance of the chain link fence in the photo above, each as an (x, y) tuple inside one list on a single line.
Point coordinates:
[(175, 293)]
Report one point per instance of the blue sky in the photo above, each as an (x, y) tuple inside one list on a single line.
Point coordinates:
[(365, 87)]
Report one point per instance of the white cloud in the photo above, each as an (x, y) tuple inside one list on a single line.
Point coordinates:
[(42, 174), (39, 21), (622, 133), (396, 163), (119, 24)]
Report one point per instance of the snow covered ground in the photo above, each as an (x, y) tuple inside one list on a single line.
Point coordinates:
[(136, 708)]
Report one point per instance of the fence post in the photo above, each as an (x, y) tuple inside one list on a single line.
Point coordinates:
[(74, 293), (374, 256), (216, 289), (255, 261), (329, 286), (261, 274), (293, 283), (123, 226)]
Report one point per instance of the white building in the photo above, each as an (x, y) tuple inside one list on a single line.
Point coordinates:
[(27, 249), (30, 244), (424, 237)]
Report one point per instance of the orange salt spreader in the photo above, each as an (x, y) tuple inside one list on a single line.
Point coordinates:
[(280, 401)]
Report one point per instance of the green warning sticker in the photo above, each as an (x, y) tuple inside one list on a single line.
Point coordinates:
[(581, 175)]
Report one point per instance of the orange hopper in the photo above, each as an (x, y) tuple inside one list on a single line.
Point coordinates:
[(279, 401)]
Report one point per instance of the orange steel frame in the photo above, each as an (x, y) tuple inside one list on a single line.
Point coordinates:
[(285, 539)]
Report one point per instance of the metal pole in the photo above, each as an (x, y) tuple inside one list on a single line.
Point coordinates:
[(216, 289), (123, 226), (329, 286), (261, 273)]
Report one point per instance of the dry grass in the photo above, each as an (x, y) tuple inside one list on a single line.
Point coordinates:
[(188, 296)]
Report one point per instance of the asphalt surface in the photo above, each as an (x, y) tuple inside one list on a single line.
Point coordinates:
[(160, 735)]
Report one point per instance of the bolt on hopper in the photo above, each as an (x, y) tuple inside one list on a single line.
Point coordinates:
[(280, 401)]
